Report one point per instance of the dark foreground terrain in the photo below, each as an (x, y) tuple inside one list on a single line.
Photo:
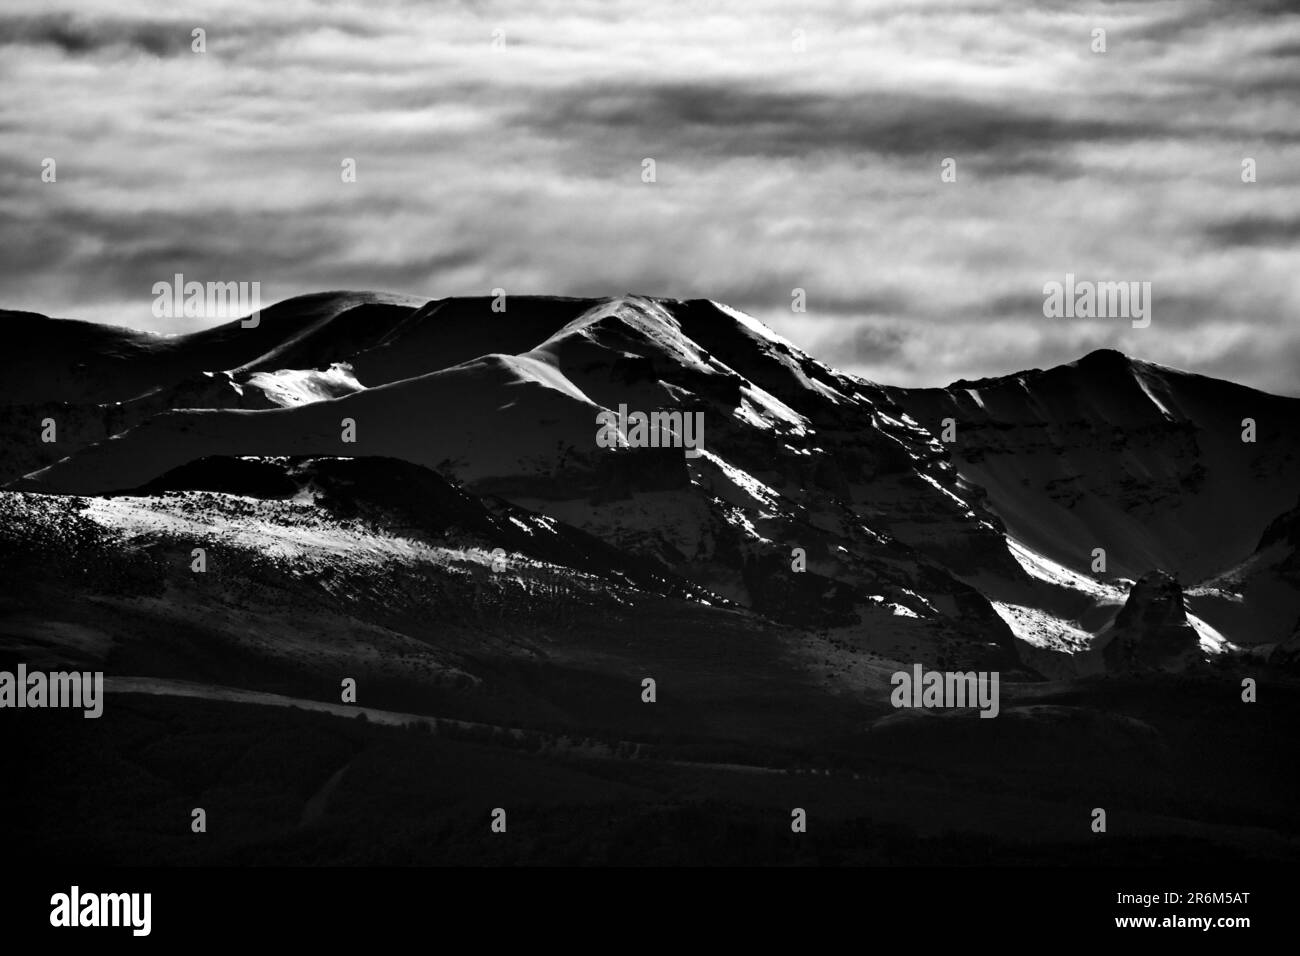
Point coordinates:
[(282, 785)]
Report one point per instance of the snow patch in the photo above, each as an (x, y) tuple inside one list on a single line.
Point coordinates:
[(1045, 569), (760, 492), (758, 408), (1211, 641), (963, 505), (894, 607), (1146, 390), (1041, 629), (288, 387)]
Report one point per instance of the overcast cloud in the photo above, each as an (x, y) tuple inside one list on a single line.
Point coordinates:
[(520, 167)]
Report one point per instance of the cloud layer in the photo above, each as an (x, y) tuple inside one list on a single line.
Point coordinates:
[(797, 146)]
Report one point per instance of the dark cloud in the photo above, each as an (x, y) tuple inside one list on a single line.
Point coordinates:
[(1027, 304), (1256, 230), (77, 36), (725, 119), (1043, 163), (1175, 22), (1287, 50), (88, 34), (872, 344)]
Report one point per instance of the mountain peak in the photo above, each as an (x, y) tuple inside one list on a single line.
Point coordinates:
[(1108, 358)]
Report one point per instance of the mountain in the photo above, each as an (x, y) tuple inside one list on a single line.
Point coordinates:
[(819, 499), (98, 381), (416, 497), (844, 476)]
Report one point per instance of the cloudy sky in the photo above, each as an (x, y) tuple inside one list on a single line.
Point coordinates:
[(797, 145)]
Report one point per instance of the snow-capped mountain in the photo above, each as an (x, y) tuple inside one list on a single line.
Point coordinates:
[(959, 525)]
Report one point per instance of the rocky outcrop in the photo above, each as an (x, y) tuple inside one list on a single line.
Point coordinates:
[(1152, 630)]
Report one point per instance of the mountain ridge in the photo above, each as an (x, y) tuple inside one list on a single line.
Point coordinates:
[(988, 539)]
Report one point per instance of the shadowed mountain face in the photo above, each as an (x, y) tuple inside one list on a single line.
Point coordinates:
[(1161, 468), (426, 499)]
